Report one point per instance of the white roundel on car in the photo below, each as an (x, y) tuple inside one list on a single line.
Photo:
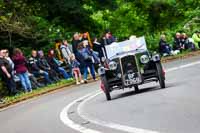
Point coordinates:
[(112, 65), (144, 59)]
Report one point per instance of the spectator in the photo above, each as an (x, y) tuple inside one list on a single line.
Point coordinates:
[(76, 70), (186, 42), (85, 37), (88, 61), (6, 73), (35, 70), (177, 43), (21, 70), (75, 42), (66, 51), (164, 47), (108, 38), (99, 48), (10, 61), (43, 65), (196, 38), (34, 83), (55, 64)]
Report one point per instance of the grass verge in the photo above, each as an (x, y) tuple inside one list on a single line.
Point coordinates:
[(10, 100)]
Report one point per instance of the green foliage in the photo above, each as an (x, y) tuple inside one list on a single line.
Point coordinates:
[(36, 24)]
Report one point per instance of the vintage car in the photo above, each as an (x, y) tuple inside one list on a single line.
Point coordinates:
[(129, 64)]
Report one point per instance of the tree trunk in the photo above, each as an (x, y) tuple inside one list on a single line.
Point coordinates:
[(10, 38)]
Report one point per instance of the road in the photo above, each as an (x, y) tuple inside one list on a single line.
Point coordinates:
[(84, 109)]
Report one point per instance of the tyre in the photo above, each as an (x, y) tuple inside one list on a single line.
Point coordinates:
[(136, 88), (160, 75), (106, 88)]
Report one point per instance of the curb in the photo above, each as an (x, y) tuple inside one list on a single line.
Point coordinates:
[(186, 56), (35, 95)]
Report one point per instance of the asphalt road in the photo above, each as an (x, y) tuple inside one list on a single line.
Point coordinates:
[(172, 110)]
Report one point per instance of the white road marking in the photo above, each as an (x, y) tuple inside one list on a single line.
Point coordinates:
[(115, 126), (66, 120), (183, 66)]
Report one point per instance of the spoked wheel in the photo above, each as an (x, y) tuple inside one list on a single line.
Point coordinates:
[(106, 88), (160, 74), (136, 88)]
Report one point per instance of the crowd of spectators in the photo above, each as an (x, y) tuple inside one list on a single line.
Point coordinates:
[(40, 69), (181, 43)]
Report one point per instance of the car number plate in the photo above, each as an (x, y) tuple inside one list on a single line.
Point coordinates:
[(132, 78)]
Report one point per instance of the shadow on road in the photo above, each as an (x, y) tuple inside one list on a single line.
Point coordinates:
[(141, 91)]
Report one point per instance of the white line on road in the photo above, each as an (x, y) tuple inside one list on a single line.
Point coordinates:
[(183, 66), (115, 126), (66, 120)]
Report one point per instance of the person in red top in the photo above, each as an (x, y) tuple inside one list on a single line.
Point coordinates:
[(21, 69)]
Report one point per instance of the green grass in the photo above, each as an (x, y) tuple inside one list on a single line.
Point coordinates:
[(23, 96)]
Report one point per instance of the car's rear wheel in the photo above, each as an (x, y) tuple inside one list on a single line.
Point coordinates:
[(160, 75), (106, 88), (136, 88)]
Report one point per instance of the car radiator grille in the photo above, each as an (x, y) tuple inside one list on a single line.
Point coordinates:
[(129, 64)]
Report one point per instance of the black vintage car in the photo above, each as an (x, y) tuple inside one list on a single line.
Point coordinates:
[(129, 69)]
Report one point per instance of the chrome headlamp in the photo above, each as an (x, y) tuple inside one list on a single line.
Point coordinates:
[(144, 59), (156, 57), (112, 65), (101, 71)]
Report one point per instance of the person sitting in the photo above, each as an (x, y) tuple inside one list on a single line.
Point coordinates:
[(178, 46), (187, 44), (6, 73), (75, 69), (43, 65), (196, 39), (35, 70), (164, 47), (21, 69), (85, 52), (55, 64)]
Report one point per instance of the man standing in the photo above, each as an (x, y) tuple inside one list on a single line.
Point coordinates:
[(6, 72), (66, 51)]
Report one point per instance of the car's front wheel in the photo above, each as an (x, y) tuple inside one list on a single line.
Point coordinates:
[(160, 74), (106, 88)]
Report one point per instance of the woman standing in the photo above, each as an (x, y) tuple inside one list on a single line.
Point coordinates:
[(88, 58), (21, 69)]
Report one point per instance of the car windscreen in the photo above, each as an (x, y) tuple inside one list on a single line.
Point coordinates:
[(126, 46)]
